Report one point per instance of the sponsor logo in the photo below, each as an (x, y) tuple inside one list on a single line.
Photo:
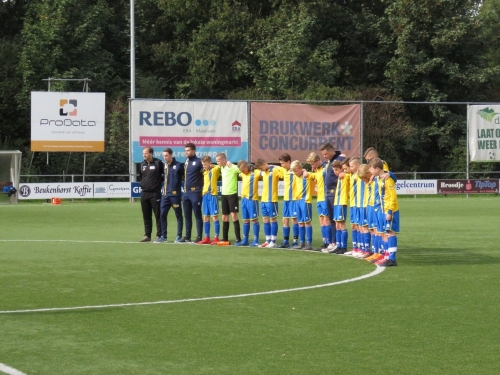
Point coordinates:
[(118, 188), (236, 125), (100, 190), (199, 122), (25, 191), (488, 114), (68, 107), (164, 118), (467, 186)]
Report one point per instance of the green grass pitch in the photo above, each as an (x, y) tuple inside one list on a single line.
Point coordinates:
[(436, 313)]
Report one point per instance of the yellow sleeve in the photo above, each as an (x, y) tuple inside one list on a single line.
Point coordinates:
[(391, 198)]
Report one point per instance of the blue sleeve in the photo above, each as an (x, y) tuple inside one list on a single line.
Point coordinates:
[(393, 176)]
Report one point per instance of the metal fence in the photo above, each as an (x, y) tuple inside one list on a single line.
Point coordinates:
[(52, 178)]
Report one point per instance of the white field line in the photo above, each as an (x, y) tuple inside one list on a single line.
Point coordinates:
[(9, 370), (362, 277)]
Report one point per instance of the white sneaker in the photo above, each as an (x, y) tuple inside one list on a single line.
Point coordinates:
[(271, 244), (325, 250), (348, 253), (332, 247)]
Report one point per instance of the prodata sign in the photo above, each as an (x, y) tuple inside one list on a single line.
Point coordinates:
[(213, 126), (67, 121), (300, 129), (484, 132)]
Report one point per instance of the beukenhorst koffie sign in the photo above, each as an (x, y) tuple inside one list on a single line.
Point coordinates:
[(67, 121)]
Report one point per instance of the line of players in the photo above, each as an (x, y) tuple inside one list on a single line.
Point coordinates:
[(368, 189)]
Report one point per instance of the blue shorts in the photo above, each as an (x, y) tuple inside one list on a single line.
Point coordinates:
[(289, 209), (362, 216), (322, 209), (380, 221), (339, 213), (304, 211), (249, 209), (210, 205), (353, 215), (372, 221), (393, 225), (269, 209)]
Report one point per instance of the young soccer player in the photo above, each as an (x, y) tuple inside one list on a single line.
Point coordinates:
[(269, 200), (210, 203), (288, 209), (302, 201), (249, 203), (389, 217), (318, 173), (352, 167), (364, 190), (340, 208)]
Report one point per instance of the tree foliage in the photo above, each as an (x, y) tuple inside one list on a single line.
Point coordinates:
[(431, 50)]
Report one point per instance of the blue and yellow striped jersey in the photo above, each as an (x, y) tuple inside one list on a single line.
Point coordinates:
[(210, 179), (250, 185), (270, 179), (302, 188), (342, 191), (353, 189), (288, 178), (388, 195), (371, 193), (319, 177), (363, 191)]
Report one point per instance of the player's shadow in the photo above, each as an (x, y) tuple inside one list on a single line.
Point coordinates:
[(444, 256)]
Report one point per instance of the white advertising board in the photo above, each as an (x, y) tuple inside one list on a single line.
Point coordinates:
[(416, 187), (483, 122), (67, 121), (75, 190), (213, 126)]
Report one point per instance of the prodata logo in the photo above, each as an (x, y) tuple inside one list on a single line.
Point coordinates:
[(488, 114), (68, 107)]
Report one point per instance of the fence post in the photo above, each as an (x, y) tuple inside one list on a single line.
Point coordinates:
[(415, 177)]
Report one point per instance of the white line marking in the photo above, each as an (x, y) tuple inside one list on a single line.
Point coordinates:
[(9, 370), (362, 277), (76, 241)]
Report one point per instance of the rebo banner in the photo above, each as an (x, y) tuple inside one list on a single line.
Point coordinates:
[(213, 126), (300, 129)]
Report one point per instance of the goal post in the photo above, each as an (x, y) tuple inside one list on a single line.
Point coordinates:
[(10, 171)]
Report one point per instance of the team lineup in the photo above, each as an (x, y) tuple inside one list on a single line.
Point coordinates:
[(368, 190)]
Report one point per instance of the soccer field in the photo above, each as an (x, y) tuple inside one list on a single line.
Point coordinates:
[(80, 295)]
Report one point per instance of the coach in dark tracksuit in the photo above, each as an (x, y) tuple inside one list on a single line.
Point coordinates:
[(329, 153), (171, 194), (151, 179), (193, 187)]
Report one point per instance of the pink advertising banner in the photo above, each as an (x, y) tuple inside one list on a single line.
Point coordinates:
[(300, 129)]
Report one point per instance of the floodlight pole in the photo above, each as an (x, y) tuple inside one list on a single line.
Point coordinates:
[(132, 92)]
